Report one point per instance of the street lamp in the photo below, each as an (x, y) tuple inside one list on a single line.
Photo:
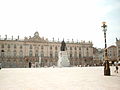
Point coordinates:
[(106, 63)]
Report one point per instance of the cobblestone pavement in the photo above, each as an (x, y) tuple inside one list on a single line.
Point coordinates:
[(72, 78)]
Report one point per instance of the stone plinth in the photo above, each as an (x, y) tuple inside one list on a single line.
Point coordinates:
[(63, 60)]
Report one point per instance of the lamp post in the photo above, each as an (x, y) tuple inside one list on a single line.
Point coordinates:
[(106, 63)]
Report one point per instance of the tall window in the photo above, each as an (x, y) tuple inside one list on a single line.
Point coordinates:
[(51, 54), (110, 55), (87, 54), (70, 55), (21, 53), (79, 48), (2, 53), (8, 53), (15, 53), (56, 48), (8, 45), (79, 55), (42, 54), (42, 47), (70, 48), (2, 46), (50, 47), (15, 46), (30, 46), (75, 48), (87, 48), (75, 55), (119, 52), (36, 53), (56, 55), (30, 53), (20, 46)]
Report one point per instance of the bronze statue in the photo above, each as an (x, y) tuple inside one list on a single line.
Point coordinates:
[(63, 46)]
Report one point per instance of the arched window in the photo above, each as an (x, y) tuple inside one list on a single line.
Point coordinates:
[(51, 54)]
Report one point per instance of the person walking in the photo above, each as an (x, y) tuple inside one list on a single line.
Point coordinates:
[(30, 64), (116, 70), (0, 66)]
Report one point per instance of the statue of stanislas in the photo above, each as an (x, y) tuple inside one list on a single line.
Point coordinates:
[(63, 46)]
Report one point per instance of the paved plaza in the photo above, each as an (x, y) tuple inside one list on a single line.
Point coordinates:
[(72, 78)]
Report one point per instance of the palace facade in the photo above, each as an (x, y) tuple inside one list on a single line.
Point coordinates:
[(18, 53)]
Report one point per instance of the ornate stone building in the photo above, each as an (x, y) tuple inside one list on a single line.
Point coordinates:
[(112, 53), (18, 53), (118, 48), (98, 56)]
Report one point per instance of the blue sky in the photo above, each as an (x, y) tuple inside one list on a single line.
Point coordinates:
[(68, 19), (113, 17)]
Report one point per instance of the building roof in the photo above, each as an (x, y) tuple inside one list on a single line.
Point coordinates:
[(112, 46)]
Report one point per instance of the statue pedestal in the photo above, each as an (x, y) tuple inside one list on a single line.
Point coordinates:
[(63, 59)]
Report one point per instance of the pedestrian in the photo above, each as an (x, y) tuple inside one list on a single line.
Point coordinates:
[(0, 66), (30, 64), (116, 70)]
